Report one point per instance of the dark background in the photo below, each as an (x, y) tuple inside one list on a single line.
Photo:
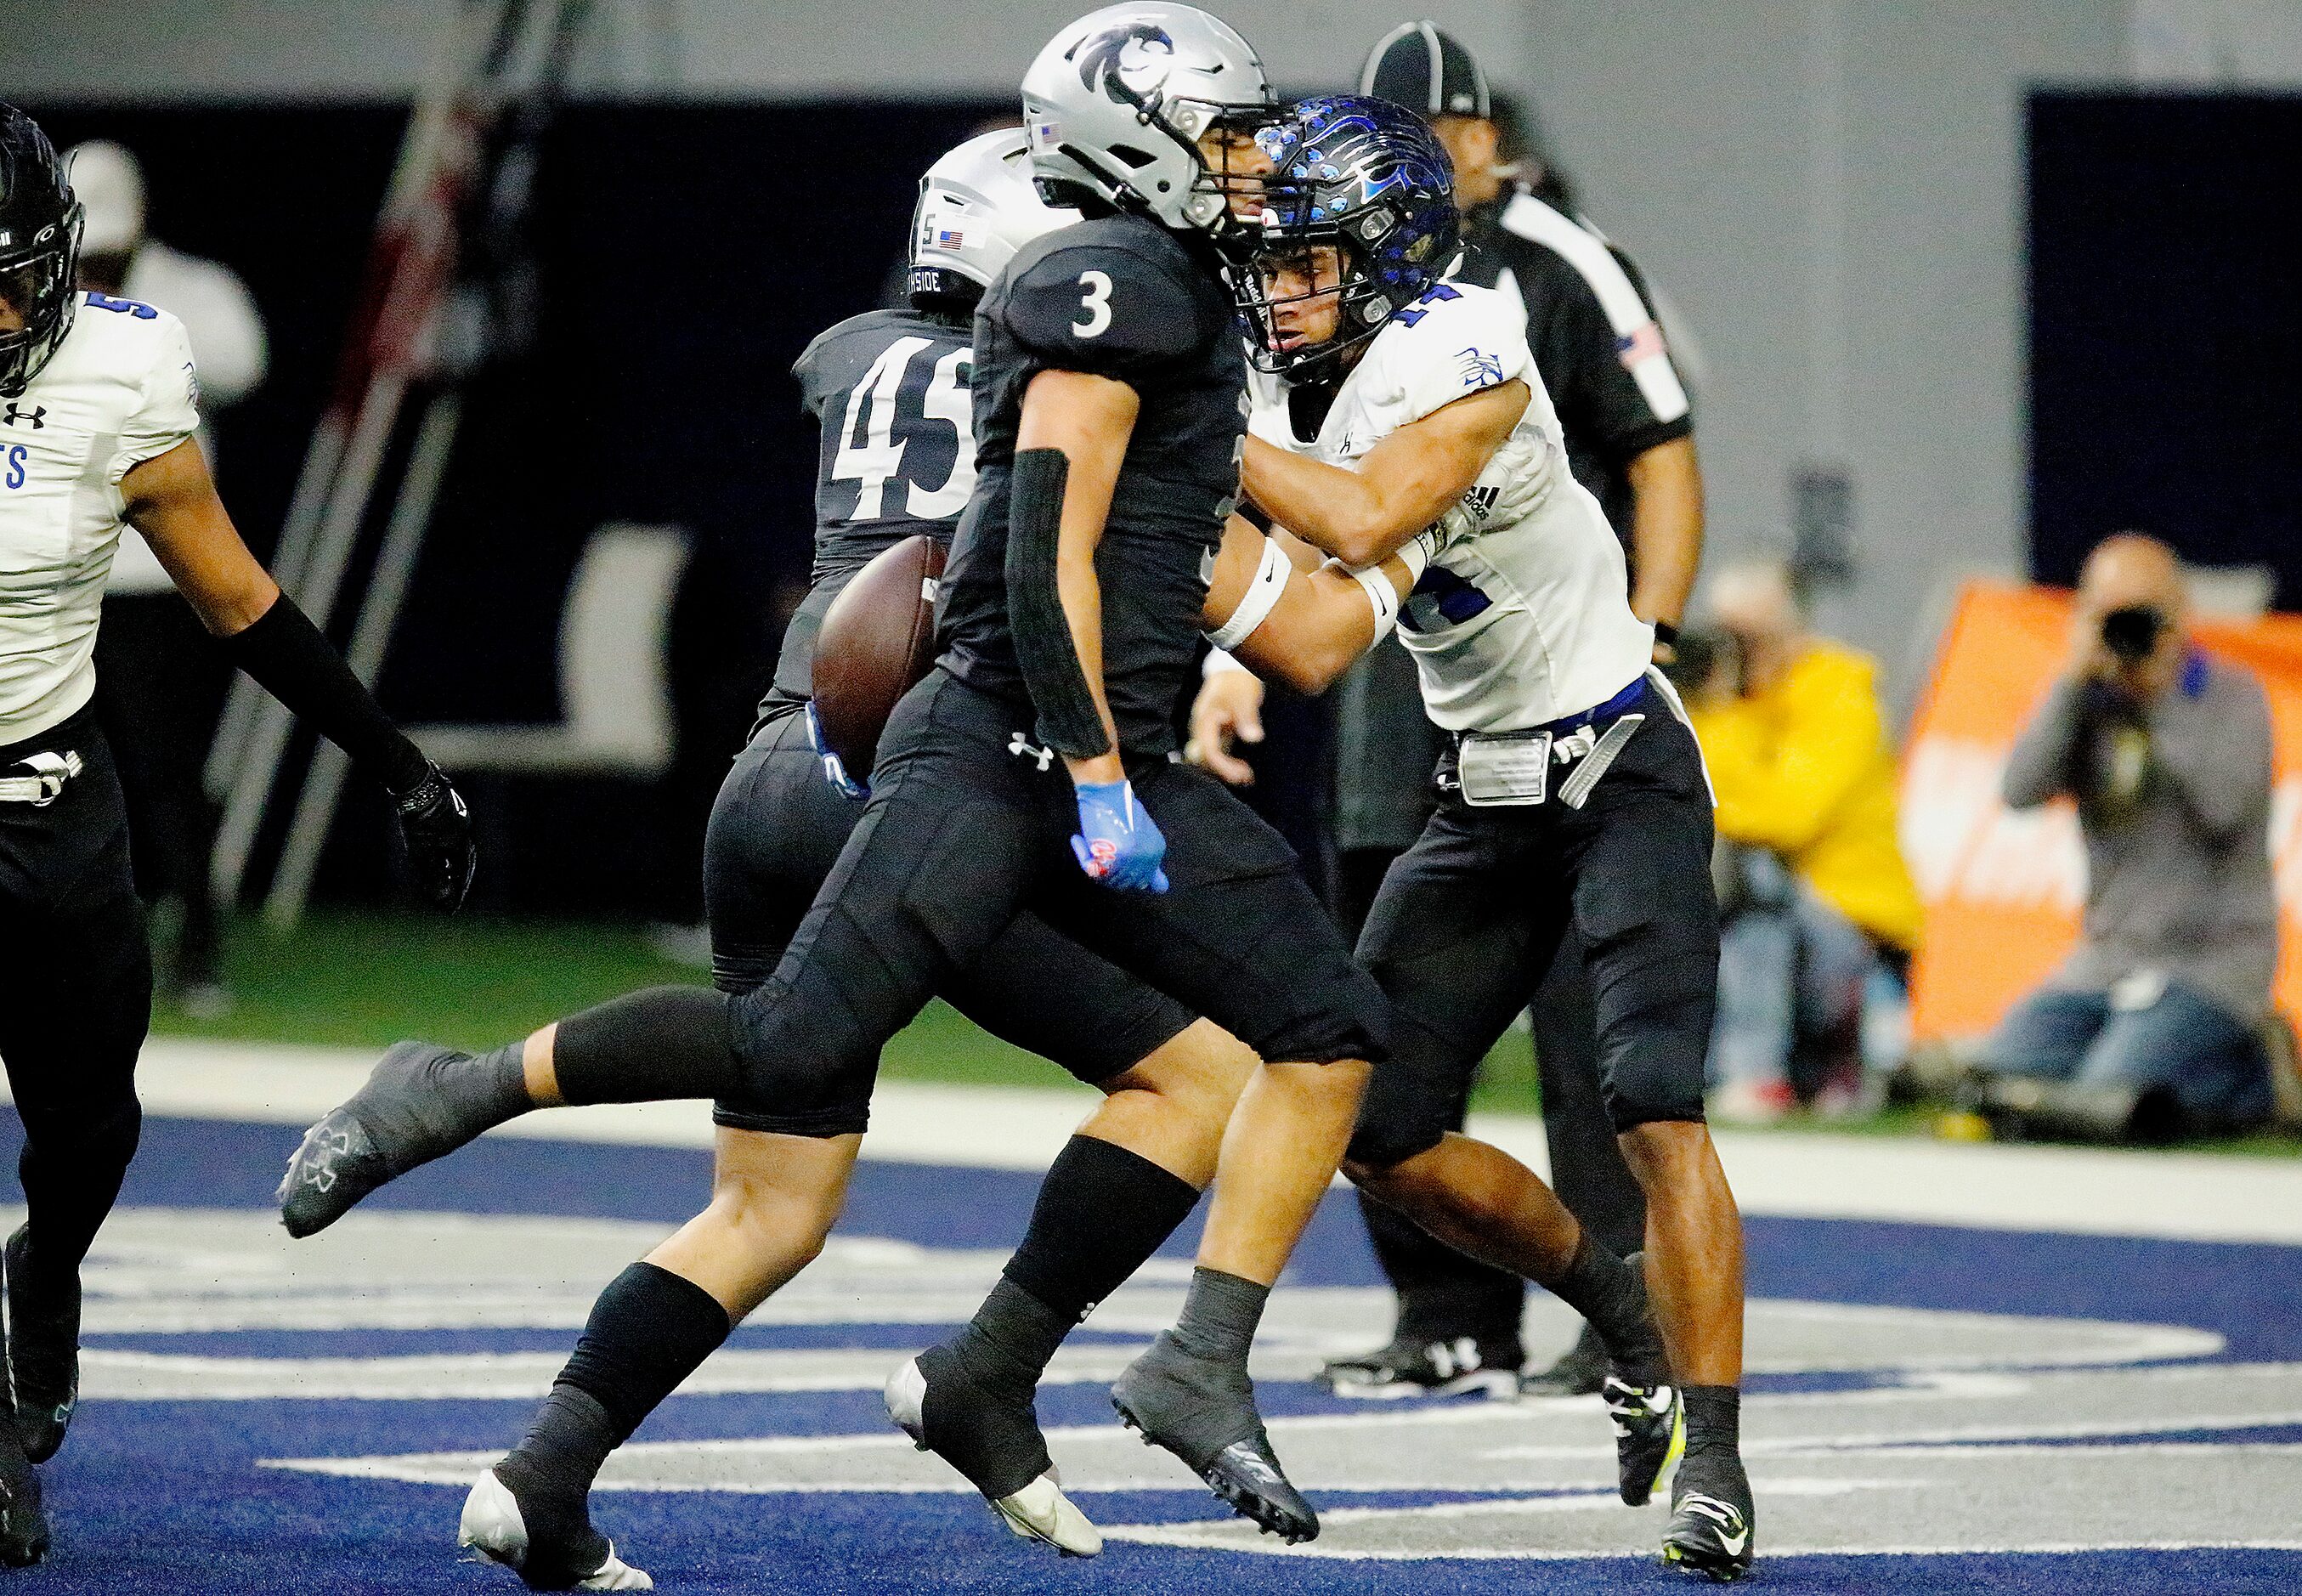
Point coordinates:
[(2166, 327), (687, 253)]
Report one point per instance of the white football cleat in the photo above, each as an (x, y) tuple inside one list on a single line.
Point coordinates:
[(1040, 1511), (491, 1526)]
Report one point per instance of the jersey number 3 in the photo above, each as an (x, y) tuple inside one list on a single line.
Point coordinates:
[(1094, 306), (880, 455)]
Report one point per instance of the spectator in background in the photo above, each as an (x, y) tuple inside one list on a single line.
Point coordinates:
[(160, 682), (1821, 912), (2157, 1014)]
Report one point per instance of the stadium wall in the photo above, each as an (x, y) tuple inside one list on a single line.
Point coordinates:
[(1830, 191)]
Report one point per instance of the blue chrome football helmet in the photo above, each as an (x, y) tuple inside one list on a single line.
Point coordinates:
[(1371, 180)]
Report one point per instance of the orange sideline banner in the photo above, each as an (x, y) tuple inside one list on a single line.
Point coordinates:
[(2003, 890)]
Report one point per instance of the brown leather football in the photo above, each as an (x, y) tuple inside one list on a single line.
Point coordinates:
[(877, 640)]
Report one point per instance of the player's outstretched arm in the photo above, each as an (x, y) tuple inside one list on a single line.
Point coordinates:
[(1302, 626), (1297, 620), (1070, 443), (1400, 486), (173, 502)]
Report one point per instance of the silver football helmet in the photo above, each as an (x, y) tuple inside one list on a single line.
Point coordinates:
[(977, 206), (1116, 103)]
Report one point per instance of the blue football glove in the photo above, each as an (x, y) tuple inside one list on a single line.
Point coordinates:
[(1118, 844)]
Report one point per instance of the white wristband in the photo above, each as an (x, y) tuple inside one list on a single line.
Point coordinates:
[(1256, 605), (1218, 663), (1415, 554), (1380, 594)]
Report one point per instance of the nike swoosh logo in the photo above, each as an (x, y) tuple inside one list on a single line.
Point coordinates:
[(1722, 1514)]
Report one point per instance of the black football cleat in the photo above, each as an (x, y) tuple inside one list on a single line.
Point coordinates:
[(23, 1527), (1204, 1412), (995, 1442), (497, 1526), (1439, 1368), (1650, 1436), (1580, 1371), (385, 1129), (43, 1330), (1713, 1520)]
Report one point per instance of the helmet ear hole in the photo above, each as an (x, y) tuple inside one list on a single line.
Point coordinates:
[(1133, 154)]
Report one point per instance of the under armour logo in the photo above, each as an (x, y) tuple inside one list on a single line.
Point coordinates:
[(37, 415), (1020, 745)]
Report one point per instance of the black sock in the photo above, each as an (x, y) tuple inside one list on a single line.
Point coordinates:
[(1714, 1419), (649, 1330), (1101, 1212), (1219, 1316), (549, 1473), (665, 1042), (1608, 1292)]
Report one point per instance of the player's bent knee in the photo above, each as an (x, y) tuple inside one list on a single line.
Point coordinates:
[(1376, 1150), (1203, 1068)]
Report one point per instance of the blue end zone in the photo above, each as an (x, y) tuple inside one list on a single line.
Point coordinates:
[(165, 1496)]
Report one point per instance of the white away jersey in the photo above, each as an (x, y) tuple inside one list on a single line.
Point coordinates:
[(1527, 618), (118, 390)]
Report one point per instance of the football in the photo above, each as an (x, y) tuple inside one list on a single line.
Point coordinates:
[(877, 638)]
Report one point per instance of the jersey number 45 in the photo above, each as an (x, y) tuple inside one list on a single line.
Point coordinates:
[(871, 450)]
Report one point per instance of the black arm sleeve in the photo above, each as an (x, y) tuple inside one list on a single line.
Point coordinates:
[(1044, 648), (291, 661)]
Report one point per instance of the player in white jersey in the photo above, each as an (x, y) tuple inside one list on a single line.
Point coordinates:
[(99, 401), (1572, 794)]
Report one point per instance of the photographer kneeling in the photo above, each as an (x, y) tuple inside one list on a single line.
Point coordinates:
[(2152, 1027)]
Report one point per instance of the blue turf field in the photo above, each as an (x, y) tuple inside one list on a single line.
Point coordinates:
[(170, 1495)]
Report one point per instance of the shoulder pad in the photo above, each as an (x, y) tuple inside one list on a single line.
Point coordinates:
[(1105, 306)]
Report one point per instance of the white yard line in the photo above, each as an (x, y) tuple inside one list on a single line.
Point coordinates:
[(2194, 1196)]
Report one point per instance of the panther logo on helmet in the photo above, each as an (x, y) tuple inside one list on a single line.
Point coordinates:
[(1126, 61)]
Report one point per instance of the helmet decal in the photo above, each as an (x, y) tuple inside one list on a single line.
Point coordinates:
[(1127, 61), (1369, 180)]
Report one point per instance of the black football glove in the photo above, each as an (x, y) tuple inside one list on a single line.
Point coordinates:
[(437, 829)]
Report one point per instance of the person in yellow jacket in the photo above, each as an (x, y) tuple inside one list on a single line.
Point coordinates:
[(1822, 909)]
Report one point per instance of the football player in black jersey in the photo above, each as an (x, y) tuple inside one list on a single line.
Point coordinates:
[(970, 821)]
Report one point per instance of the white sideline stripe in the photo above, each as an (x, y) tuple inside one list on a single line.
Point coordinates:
[(2075, 1190)]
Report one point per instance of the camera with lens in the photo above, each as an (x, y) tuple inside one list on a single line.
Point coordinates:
[(2131, 634)]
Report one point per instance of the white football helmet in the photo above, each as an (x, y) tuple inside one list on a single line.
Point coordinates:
[(977, 206), (1116, 103)]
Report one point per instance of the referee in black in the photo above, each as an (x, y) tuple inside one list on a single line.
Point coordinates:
[(1599, 349)]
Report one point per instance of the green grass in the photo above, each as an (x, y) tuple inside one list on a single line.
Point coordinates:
[(354, 979), (347, 980)]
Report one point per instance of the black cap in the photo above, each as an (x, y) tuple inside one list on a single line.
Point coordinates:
[(1418, 66)]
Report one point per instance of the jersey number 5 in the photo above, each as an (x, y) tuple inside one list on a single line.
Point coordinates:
[(1096, 304)]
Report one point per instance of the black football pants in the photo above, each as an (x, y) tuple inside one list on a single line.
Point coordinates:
[(776, 830), (1470, 921), (967, 826), (79, 996), (1443, 1293)]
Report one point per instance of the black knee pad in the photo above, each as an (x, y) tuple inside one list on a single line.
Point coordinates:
[(1652, 1062)]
